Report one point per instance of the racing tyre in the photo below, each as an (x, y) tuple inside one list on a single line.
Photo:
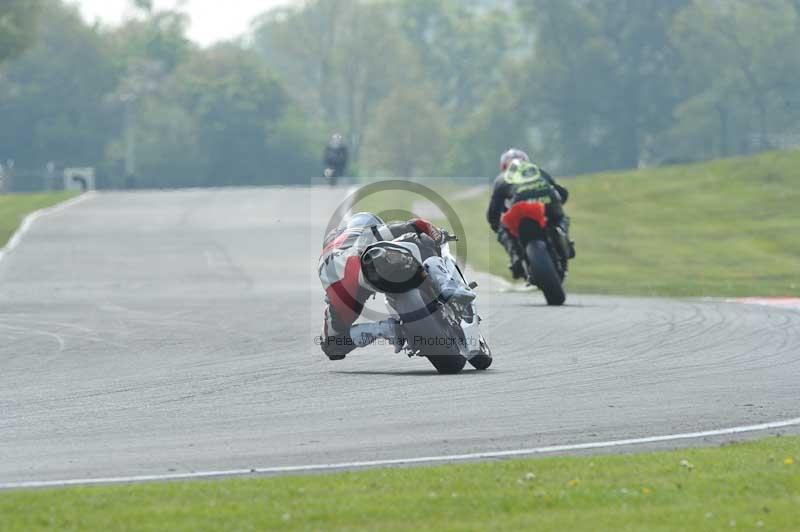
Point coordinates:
[(434, 338), (484, 360), (481, 362), (544, 272), (448, 364)]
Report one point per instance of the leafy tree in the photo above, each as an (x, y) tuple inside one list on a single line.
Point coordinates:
[(222, 119), (462, 49), (501, 122), (603, 76), (417, 87), (144, 5), (18, 21), (52, 99), (402, 147), (160, 37), (203, 117), (299, 44), (372, 60), (339, 59), (743, 85)]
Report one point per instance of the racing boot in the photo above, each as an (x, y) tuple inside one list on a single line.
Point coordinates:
[(447, 287), (363, 334), (511, 246), (567, 245)]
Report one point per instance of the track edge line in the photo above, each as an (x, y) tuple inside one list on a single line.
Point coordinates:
[(431, 460), (31, 218)]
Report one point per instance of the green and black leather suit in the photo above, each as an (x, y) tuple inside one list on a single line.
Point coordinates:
[(525, 181)]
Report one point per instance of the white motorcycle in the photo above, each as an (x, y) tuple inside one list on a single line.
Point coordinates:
[(447, 333)]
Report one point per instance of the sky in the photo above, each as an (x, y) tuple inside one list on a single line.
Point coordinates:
[(212, 20)]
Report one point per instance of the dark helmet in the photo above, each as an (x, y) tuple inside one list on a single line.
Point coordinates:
[(364, 219), (510, 155)]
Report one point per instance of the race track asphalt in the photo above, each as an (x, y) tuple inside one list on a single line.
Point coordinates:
[(168, 332)]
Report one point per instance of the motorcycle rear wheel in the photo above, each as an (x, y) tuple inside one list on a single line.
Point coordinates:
[(544, 274), (435, 340)]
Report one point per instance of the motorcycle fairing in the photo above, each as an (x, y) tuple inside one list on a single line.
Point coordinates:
[(533, 210)]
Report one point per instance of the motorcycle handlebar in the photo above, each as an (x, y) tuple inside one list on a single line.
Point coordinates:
[(447, 237)]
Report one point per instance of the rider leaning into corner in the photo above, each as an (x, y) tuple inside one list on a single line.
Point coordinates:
[(347, 287), (521, 180)]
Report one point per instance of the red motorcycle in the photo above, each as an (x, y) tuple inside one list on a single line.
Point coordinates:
[(546, 248)]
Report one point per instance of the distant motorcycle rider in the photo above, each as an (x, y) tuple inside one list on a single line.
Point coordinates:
[(521, 180), (336, 156), (347, 287)]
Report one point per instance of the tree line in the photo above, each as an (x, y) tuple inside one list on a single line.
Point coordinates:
[(82, 95), (417, 87)]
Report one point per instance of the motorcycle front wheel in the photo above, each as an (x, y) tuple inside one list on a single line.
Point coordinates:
[(484, 360)]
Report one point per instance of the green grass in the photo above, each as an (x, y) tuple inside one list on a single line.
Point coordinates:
[(747, 486), (724, 228), (727, 228), (14, 207)]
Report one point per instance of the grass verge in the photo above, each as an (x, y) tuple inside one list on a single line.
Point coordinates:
[(724, 228), (14, 207), (753, 485)]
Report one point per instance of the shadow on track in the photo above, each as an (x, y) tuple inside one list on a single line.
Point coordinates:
[(545, 305), (412, 373)]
